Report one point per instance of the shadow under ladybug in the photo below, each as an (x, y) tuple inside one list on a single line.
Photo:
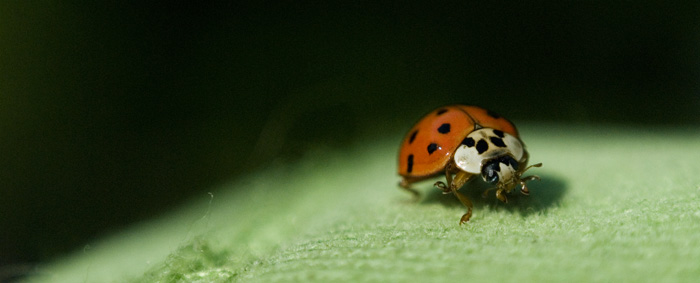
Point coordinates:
[(544, 194)]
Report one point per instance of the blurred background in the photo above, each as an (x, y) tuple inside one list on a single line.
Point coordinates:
[(114, 113)]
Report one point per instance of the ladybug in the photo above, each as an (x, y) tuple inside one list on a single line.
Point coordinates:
[(461, 142)]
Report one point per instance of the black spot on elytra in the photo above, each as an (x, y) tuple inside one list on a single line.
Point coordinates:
[(493, 114), (499, 133), (444, 128), (410, 163), (413, 137), (432, 148), (482, 146), (497, 142), (441, 111), (469, 142)]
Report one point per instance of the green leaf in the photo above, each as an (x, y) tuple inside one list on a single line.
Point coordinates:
[(613, 204)]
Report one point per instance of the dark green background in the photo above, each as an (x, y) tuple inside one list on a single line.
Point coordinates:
[(112, 113)]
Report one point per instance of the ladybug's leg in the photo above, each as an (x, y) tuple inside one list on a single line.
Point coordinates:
[(453, 185), (523, 186), (500, 195), (460, 179), (448, 177), (406, 185), (449, 170)]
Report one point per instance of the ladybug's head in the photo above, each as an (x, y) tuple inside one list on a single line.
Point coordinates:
[(502, 172)]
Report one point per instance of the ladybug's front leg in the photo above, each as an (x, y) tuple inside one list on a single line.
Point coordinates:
[(446, 188), (453, 185), (460, 179)]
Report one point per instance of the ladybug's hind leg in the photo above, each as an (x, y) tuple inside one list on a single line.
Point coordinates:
[(406, 185)]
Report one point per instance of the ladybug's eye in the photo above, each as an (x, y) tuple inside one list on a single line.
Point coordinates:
[(490, 171)]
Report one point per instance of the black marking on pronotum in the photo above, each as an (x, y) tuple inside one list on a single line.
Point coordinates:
[(469, 142), (432, 148), (413, 137), (497, 142), (493, 114), (513, 163), (508, 161), (410, 163), (444, 128), (441, 111), (499, 133), (482, 146)]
